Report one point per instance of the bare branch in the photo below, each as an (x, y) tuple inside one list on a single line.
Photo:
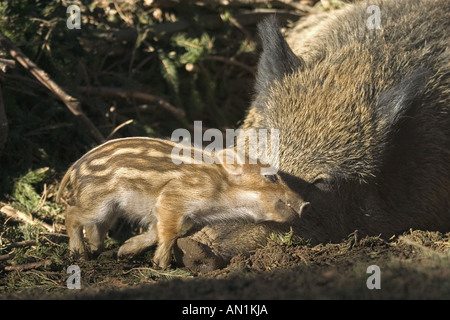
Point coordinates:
[(122, 93), (72, 104), (118, 128), (232, 61), (6, 64)]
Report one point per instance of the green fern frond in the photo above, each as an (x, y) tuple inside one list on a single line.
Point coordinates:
[(196, 48), (169, 71)]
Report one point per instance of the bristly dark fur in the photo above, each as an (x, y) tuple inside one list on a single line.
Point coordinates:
[(364, 120), (396, 102)]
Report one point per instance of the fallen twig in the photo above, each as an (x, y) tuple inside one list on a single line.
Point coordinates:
[(444, 243), (8, 256), (28, 266), (20, 244), (55, 235), (19, 215), (233, 62), (11, 255), (72, 104), (158, 272)]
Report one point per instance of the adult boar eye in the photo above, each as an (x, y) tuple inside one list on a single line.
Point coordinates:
[(271, 177), (322, 184)]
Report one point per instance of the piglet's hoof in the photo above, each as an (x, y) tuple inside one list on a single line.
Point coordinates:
[(197, 256)]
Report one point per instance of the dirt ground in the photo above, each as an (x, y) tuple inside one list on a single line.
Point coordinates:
[(415, 265)]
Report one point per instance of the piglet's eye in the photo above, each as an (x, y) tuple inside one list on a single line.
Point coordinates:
[(271, 177)]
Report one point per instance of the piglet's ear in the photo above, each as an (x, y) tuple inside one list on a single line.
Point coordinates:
[(231, 161), (235, 170)]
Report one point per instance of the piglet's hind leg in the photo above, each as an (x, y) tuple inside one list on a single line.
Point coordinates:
[(137, 244), (168, 227)]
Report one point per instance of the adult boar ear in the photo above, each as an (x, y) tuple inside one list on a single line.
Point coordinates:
[(397, 102), (277, 58)]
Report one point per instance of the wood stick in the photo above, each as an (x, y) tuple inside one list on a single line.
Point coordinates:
[(126, 94), (158, 272), (28, 266), (15, 214), (71, 103), (55, 235), (20, 244), (240, 27), (6, 64), (8, 256), (118, 128), (232, 61)]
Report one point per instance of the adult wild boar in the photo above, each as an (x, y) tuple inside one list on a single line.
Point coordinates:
[(364, 121)]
